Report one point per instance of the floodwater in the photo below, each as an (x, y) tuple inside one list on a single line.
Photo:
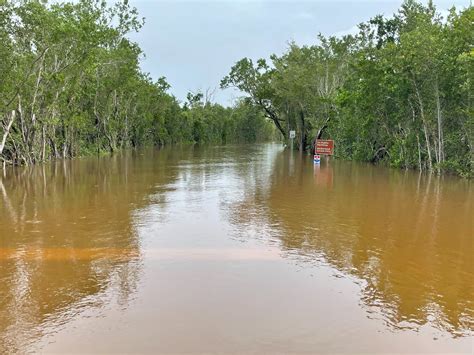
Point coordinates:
[(238, 249)]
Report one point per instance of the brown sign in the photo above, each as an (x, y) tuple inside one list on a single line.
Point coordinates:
[(325, 146)]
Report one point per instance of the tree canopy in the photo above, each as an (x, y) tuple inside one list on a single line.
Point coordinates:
[(72, 85), (397, 92)]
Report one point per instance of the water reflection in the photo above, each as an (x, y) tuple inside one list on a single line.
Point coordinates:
[(406, 238), (162, 248), (68, 242)]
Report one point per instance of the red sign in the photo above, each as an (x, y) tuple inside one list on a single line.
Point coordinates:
[(325, 146)]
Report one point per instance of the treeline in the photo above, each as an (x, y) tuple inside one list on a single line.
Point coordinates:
[(71, 85), (398, 92)]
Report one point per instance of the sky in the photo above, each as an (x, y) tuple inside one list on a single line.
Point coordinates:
[(194, 43)]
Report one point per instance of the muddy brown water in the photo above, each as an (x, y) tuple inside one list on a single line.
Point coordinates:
[(237, 249)]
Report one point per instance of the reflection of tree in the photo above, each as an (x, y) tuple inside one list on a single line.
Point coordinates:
[(408, 237), (67, 237)]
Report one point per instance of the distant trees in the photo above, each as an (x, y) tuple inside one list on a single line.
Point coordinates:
[(71, 85), (399, 92), (212, 123)]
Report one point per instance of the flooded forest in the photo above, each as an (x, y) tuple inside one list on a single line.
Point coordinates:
[(397, 93), (134, 221)]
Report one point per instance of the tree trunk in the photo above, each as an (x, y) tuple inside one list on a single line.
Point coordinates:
[(23, 129), (43, 144), (425, 128), (303, 132), (440, 126), (7, 131), (417, 136), (321, 130), (428, 148), (419, 151), (274, 118)]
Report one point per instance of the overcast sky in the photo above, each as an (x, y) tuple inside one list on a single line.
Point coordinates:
[(194, 43)]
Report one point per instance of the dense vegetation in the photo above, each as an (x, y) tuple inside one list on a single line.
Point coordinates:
[(399, 92), (71, 85)]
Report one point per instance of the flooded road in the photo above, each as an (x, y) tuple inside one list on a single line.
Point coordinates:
[(240, 249)]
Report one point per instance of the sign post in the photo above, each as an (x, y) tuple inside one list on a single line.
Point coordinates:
[(292, 137), (323, 147)]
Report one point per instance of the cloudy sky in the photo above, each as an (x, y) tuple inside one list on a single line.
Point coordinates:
[(194, 43)]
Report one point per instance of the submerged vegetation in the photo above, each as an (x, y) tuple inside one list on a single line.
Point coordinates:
[(398, 92)]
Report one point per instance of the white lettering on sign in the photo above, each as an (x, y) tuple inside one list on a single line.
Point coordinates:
[(324, 146)]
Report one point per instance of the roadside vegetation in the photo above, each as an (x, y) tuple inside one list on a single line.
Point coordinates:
[(71, 85), (399, 92)]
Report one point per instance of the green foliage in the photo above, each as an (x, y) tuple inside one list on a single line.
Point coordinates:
[(399, 92), (72, 79)]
